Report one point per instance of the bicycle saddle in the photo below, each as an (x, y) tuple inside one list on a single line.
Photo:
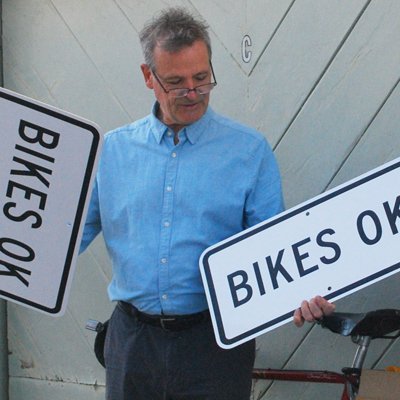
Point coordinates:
[(376, 324)]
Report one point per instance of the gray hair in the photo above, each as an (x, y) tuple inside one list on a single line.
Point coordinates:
[(172, 30)]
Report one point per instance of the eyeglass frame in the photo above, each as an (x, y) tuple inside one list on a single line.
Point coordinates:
[(187, 89)]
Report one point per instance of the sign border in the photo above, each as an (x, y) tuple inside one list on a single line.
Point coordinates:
[(229, 342), (69, 118)]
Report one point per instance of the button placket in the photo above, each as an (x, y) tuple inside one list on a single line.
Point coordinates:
[(166, 222)]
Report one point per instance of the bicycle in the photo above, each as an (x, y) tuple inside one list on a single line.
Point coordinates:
[(362, 328)]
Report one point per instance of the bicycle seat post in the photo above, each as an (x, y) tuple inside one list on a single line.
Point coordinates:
[(362, 349)]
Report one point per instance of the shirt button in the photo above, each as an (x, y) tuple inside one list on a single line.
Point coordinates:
[(164, 297), (164, 260), (169, 188), (169, 133), (173, 155), (167, 224)]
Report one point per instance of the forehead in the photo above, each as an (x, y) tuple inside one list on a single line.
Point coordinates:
[(190, 59)]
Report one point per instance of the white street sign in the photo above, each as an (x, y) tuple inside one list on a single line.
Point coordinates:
[(332, 245), (48, 158)]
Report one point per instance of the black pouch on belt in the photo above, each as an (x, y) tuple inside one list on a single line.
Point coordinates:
[(101, 330)]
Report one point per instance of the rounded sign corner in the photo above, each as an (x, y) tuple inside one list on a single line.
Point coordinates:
[(57, 311), (225, 343)]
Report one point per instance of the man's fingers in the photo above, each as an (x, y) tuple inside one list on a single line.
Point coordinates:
[(306, 310), (298, 318), (327, 307), (312, 310), (315, 309), (324, 305)]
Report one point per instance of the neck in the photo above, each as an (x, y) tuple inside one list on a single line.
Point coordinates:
[(174, 127)]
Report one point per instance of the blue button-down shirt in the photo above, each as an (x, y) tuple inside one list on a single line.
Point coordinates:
[(160, 205)]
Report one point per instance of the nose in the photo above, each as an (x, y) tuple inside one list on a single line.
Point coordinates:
[(192, 94), (191, 85)]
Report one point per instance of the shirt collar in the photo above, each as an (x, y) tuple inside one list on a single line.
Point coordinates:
[(193, 131)]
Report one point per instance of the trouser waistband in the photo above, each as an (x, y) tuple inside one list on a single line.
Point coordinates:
[(166, 322)]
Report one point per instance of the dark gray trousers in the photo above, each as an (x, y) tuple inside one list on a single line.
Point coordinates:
[(144, 362)]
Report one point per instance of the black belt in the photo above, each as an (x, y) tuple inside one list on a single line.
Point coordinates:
[(166, 322)]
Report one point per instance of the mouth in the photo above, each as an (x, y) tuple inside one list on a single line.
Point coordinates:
[(190, 106)]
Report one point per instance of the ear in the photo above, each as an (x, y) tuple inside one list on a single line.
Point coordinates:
[(148, 76)]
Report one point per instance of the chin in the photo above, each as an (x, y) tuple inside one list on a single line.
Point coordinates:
[(190, 119)]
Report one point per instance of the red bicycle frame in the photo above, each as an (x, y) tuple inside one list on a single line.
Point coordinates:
[(307, 376)]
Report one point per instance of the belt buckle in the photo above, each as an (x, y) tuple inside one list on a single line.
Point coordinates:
[(164, 321)]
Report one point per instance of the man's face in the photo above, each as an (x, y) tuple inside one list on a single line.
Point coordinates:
[(187, 68)]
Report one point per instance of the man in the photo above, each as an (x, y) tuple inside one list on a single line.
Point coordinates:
[(169, 186)]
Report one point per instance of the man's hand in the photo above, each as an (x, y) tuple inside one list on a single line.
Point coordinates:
[(312, 310)]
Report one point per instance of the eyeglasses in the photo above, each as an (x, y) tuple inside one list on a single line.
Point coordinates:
[(183, 92)]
